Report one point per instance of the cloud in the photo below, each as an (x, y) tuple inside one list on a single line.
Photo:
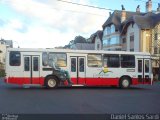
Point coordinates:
[(53, 23)]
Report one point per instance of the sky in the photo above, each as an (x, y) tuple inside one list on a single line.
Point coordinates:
[(53, 23)]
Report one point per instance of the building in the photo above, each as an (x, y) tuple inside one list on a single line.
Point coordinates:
[(82, 46), (8, 43), (126, 31), (4, 44), (134, 31), (96, 39), (112, 28), (2, 55)]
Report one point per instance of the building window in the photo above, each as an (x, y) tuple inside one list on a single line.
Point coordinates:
[(112, 28), (155, 50), (109, 42), (105, 31), (98, 46), (132, 38), (124, 40), (132, 49), (156, 36), (118, 49), (114, 40), (104, 42), (108, 30)]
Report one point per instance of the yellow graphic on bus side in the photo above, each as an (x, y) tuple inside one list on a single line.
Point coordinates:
[(105, 70)]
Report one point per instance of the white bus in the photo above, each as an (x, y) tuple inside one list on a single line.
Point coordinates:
[(82, 67)]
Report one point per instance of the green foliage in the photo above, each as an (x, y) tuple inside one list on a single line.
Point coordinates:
[(79, 39), (2, 73)]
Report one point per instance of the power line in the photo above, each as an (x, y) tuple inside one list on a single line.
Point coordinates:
[(85, 5), (84, 12), (79, 12), (146, 1)]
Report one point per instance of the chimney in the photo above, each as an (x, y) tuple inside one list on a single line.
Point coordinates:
[(138, 9), (149, 6), (158, 9), (123, 14), (110, 13)]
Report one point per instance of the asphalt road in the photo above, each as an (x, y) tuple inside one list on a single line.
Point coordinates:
[(81, 100)]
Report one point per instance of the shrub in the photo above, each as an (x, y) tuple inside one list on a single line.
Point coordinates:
[(2, 73)]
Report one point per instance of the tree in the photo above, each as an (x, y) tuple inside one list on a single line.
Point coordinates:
[(79, 39)]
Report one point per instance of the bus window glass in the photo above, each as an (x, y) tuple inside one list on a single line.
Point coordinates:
[(94, 60), (44, 58), (111, 60), (81, 64), (15, 58), (60, 59), (73, 64), (127, 61), (35, 64), (147, 66), (139, 66), (26, 64)]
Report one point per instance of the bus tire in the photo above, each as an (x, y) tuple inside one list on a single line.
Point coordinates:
[(51, 82), (124, 82)]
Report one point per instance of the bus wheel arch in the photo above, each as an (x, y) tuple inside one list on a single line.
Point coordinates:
[(51, 81), (125, 81)]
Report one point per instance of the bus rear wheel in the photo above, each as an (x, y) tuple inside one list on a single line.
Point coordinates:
[(51, 82), (124, 82)]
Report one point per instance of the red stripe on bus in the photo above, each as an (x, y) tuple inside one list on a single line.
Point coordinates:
[(84, 81), (23, 80)]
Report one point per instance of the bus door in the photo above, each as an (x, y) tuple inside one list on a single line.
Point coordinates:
[(144, 70), (31, 69), (78, 70)]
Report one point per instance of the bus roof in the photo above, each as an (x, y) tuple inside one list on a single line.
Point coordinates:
[(75, 51)]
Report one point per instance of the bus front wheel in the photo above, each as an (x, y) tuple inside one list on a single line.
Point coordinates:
[(124, 82), (51, 82)]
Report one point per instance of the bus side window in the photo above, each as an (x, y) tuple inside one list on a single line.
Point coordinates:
[(44, 58), (139, 66), (26, 64), (147, 66), (14, 58), (94, 60), (35, 64), (81, 64), (73, 64), (111, 60), (127, 61), (60, 59)]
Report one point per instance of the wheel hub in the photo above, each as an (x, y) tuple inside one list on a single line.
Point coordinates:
[(52, 83)]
